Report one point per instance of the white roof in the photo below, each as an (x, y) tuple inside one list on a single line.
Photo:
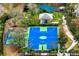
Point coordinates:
[(46, 16), (62, 7)]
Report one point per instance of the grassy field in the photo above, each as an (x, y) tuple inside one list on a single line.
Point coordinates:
[(57, 16)]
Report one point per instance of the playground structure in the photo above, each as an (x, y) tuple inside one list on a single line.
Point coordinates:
[(45, 17)]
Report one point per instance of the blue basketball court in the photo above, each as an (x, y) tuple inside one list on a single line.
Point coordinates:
[(42, 38)]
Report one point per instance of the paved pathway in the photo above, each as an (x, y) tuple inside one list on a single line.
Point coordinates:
[(69, 34)]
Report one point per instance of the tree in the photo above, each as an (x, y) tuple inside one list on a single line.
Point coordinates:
[(2, 23), (62, 39), (13, 10)]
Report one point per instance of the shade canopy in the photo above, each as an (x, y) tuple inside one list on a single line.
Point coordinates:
[(46, 16)]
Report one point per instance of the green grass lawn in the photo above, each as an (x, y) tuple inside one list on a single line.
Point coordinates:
[(57, 16), (34, 19)]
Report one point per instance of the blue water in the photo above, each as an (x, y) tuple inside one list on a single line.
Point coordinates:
[(34, 37), (7, 38), (47, 8)]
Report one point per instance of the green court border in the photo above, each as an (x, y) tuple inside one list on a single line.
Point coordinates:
[(26, 37), (58, 28)]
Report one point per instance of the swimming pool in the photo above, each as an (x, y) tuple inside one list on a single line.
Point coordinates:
[(47, 8), (42, 38), (9, 38)]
